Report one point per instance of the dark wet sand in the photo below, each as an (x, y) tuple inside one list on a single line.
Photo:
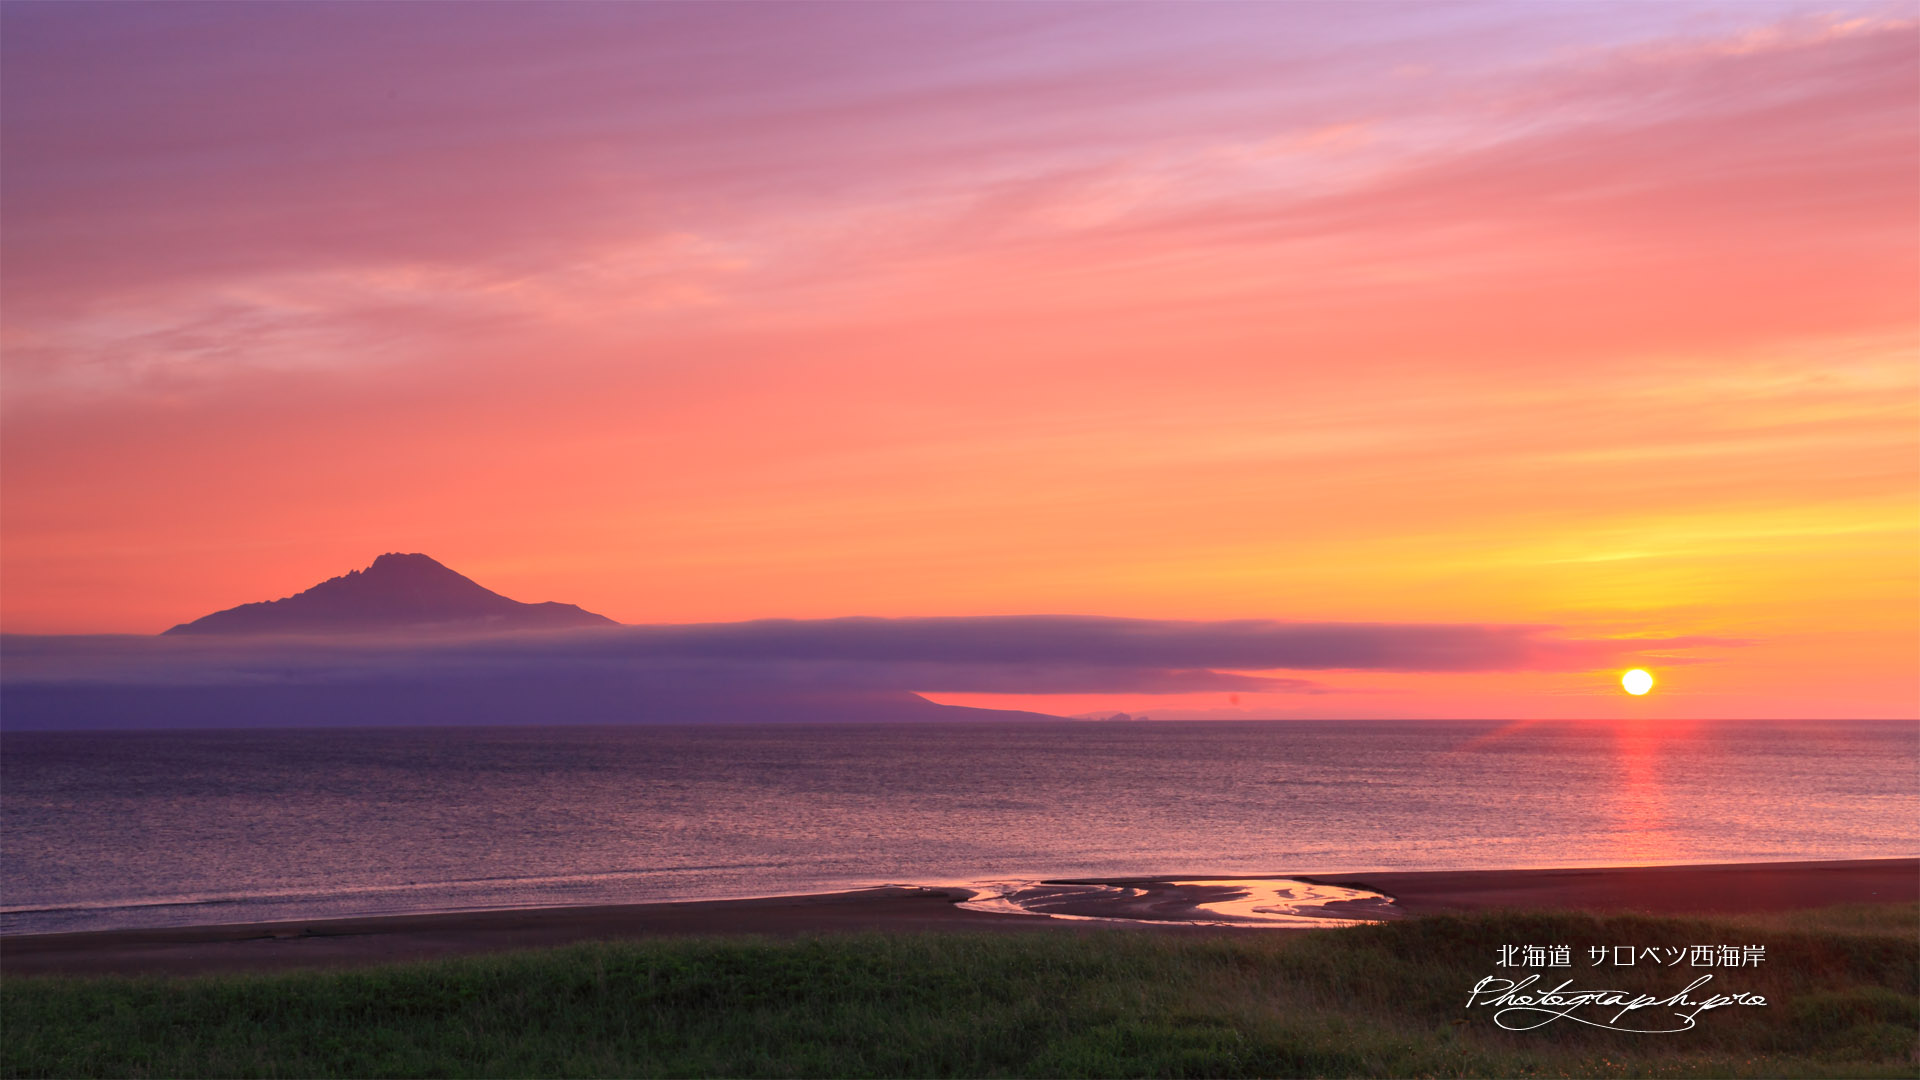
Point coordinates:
[(385, 938), (1724, 888), (340, 942)]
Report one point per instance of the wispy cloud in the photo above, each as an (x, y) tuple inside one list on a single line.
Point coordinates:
[(180, 206)]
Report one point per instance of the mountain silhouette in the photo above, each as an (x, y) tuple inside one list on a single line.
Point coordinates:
[(398, 592)]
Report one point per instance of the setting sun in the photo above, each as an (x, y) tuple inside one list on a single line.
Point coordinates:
[(1637, 682)]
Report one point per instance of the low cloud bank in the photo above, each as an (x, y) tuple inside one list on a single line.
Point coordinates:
[(1033, 654)]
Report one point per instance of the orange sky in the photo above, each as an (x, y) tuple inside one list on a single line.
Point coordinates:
[(1601, 317)]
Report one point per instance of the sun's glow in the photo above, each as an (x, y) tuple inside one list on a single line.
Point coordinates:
[(1636, 682)]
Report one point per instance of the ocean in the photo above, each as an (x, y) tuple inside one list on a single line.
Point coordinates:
[(140, 829)]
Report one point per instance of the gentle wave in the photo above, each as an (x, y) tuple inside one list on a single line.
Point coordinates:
[(106, 830)]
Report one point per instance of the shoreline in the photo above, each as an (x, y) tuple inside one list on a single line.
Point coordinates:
[(1701, 889)]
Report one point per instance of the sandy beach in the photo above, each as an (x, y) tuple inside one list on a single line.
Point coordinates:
[(1721, 888), (1673, 890)]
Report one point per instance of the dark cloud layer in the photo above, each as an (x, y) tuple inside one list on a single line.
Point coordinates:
[(1072, 640), (1010, 654), (836, 669)]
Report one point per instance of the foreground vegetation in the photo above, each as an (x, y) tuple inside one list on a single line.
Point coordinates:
[(1381, 1000)]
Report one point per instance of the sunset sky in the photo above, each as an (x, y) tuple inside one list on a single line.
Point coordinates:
[(1600, 317)]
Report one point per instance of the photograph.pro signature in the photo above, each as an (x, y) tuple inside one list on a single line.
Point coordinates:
[(1520, 1006)]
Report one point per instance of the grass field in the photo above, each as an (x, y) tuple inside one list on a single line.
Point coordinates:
[(1386, 1000)]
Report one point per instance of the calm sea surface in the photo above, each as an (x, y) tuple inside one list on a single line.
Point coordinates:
[(147, 829)]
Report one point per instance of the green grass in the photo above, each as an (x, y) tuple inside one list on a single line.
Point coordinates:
[(1381, 1000)]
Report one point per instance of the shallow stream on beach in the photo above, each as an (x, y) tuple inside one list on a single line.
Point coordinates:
[(1280, 903)]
